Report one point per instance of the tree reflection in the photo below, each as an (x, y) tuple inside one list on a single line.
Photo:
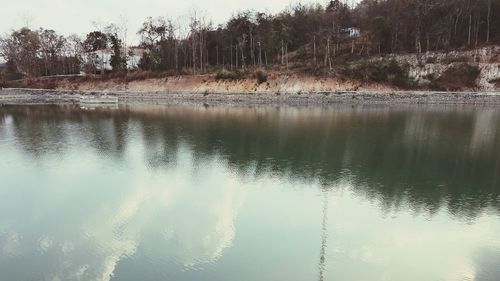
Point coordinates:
[(428, 158)]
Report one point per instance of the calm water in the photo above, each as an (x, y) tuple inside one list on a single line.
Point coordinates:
[(224, 194)]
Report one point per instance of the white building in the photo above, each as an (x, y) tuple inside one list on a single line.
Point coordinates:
[(352, 32), (102, 59)]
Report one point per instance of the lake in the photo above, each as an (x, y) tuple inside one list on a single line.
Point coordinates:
[(150, 192)]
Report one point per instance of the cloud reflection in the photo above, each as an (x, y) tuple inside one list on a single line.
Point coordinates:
[(179, 213)]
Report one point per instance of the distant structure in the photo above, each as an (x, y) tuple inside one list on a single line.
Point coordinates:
[(351, 32), (101, 59)]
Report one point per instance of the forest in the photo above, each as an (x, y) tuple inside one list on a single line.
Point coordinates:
[(310, 37)]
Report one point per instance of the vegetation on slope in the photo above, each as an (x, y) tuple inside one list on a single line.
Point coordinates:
[(334, 39)]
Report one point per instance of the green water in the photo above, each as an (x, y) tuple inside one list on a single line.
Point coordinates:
[(249, 194)]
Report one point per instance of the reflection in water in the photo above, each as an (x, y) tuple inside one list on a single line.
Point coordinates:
[(324, 237), (115, 218), (190, 193)]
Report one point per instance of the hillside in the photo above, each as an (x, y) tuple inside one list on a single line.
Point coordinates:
[(467, 70)]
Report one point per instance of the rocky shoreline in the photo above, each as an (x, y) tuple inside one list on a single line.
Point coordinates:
[(42, 96)]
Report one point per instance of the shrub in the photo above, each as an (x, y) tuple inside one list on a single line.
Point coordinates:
[(398, 74), (225, 74), (382, 72), (261, 76)]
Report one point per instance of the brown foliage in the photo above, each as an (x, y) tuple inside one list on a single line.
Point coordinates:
[(458, 77)]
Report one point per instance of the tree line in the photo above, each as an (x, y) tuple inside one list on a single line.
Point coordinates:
[(310, 35), (39, 53)]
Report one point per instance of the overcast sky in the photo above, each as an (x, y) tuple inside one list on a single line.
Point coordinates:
[(77, 16)]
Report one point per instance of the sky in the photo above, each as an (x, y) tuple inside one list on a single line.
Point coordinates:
[(77, 16)]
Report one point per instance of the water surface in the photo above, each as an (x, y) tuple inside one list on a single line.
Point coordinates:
[(257, 194)]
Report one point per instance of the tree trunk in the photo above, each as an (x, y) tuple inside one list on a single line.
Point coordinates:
[(194, 56), (231, 54), (260, 54), (418, 45), (176, 56), (252, 48), (327, 53), (314, 49), (477, 29), (217, 54), (201, 52), (456, 26), (286, 54), (470, 29), (427, 43), (236, 47), (242, 51), (488, 20), (282, 53)]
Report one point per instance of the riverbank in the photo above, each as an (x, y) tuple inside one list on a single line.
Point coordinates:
[(42, 96), (463, 70)]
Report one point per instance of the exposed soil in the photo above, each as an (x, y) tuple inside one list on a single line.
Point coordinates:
[(461, 76)]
